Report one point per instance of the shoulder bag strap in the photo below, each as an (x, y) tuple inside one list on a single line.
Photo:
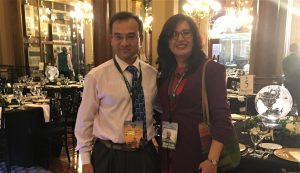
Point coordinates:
[(205, 109)]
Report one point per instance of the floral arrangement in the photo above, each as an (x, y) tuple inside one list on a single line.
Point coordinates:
[(292, 126), (3, 101), (288, 126), (251, 123)]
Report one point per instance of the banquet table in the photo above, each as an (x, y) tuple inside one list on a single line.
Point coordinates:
[(272, 164), (63, 90), (240, 104), (22, 126)]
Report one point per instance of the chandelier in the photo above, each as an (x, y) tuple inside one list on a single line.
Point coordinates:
[(239, 15), (147, 21), (198, 9), (83, 12), (44, 13)]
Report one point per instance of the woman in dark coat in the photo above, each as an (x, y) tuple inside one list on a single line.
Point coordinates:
[(180, 63)]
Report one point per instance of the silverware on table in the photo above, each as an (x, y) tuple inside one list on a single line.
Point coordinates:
[(248, 151)]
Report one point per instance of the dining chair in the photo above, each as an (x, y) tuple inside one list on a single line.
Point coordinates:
[(4, 146), (55, 131), (76, 100), (53, 92), (2, 85), (67, 91)]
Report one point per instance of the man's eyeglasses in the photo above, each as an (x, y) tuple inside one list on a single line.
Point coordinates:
[(185, 34), (128, 37)]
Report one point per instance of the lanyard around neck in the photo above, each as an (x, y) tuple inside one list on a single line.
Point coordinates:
[(129, 88), (173, 92)]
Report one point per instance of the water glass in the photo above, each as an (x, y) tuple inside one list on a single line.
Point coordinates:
[(233, 85), (238, 86), (44, 94), (33, 90), (257, 134), (19, 97), (255, 138), (67, 80)]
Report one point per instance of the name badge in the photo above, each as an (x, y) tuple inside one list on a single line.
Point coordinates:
[(133, 133), (169, 134)]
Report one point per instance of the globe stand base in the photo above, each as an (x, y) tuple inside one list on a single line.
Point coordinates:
[(272, 124)]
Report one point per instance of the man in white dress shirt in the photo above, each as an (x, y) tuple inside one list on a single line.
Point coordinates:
[(107, 104)]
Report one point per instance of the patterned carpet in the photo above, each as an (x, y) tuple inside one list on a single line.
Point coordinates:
[(18, 169)]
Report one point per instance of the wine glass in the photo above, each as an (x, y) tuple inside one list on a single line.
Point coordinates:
[(33, 90), (43, 94), (19, 97), (38, 91), (257, 134), (67, 80), (80, 78), (238, 86), (25, 78), (20, 79), (255, 140), (233, 85), (4, 90)]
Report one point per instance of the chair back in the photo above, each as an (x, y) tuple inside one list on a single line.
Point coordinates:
[(4, 146), (2, 85), (53, 92), (2, 122), (54, 110), (65, 108), (67, 91), (2, 81), (60, 109), (75, 103)]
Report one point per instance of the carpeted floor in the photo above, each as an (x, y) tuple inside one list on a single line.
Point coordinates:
[(18, 169), (57, 165)]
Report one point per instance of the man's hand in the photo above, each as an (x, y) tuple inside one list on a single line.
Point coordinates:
[(87, 168)]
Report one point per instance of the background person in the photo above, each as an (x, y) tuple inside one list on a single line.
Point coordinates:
[(179, 92), (107, 107), (291, 70), (64, 63)]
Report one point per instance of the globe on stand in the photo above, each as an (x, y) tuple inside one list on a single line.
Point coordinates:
[(51, 73), (272, 103)]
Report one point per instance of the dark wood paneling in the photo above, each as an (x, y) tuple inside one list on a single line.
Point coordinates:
[(102, 48), (11, 39)]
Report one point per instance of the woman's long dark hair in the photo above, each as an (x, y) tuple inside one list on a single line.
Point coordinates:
[(166, 59)]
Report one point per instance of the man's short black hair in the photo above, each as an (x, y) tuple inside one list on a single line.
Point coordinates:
[(124, 15)]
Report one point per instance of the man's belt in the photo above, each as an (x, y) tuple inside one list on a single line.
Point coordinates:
[(116, 146)]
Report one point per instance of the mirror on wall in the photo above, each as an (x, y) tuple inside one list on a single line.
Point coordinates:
[(51, 25), (234, 50)]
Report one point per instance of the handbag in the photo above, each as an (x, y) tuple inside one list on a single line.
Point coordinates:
[(230, 156)]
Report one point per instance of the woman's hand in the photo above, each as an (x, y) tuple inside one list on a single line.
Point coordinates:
[(207, 167), (211, 166), (87, 168)]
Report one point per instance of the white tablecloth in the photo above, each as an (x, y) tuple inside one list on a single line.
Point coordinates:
[(46, 109)]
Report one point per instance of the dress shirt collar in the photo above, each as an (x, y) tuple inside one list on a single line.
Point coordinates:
[(123, 65)]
